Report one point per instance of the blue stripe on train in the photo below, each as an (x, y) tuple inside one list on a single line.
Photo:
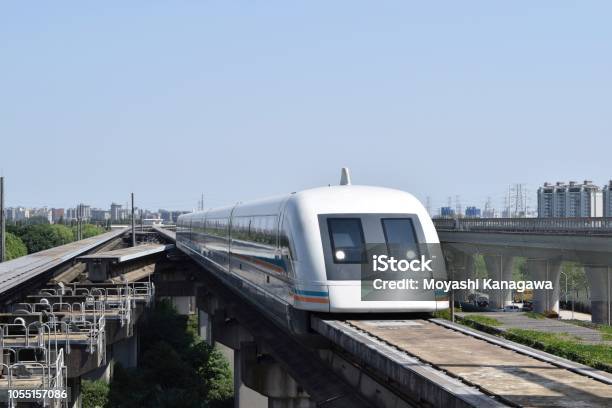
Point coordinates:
[(310, 293)]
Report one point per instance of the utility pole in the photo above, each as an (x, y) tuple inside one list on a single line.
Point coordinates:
[(78, 214), (133, 226), (2, 222)]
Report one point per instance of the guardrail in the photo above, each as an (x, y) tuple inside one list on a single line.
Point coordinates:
[(582, 226)]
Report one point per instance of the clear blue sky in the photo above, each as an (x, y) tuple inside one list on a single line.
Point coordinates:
[(241, 100)]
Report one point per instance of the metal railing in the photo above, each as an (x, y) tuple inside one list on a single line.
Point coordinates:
[(573, 226)]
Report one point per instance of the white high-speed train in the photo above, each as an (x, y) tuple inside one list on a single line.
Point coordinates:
[(303, 252)]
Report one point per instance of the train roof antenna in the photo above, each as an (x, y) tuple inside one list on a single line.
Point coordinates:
[(345, 177)]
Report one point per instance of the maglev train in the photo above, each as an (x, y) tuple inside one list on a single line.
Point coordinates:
[(303, 252)]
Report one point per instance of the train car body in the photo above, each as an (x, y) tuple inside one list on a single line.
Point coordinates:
[(302, 252)]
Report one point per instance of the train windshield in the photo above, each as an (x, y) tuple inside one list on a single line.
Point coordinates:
[(347, 240), (400, 238)]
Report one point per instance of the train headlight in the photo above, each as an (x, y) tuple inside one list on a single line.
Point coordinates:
[(410, 254), (340, 255)]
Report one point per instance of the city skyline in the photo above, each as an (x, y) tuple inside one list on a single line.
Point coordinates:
[(432, 100), (517, 202)]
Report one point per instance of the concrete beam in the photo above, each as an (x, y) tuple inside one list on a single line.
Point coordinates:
[(522, 244), (229, 332)]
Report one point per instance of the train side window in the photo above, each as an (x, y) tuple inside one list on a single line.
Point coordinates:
[(401, 238), (348, 244)]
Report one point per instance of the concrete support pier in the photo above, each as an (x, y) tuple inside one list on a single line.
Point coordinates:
[(265, 375), (461, 267), (600, 284), (205, 327), (499, 267), (541, 270), (126, 351)]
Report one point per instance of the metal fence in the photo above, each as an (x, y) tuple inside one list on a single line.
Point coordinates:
[(582, 226)]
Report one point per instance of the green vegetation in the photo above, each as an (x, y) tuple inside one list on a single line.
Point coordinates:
[(89, 230), (563, 345), (94, 394), (560, 344), (39, 236), (604, 329), (480, 268), (485, 320), (177, 368), (14, 247), (519, 269), (535, 315), (606, 332), (577, 282), (442, 314)]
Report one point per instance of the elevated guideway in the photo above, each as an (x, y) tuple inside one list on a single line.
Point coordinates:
[(415, 362), (546, 243), (166, 233), (20, 270), (444, 364), (56, 325)]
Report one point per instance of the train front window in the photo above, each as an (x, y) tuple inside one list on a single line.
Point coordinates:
[(400, 237), (348, 244)]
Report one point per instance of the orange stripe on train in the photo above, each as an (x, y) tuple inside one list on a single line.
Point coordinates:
[(310, 299)]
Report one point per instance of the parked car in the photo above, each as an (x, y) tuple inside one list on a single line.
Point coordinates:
[(512, 308), (527, 306), (482, 302)]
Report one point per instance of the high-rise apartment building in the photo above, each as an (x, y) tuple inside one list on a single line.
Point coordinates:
[(607, 200), (570, 200), (115, 212)]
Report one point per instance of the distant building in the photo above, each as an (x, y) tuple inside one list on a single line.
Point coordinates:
[(84, 212), (57, 214), (115, 212), (152, 221), (124, 214), (43, 212), (490, 213), (607, 200), (98, 214), (447, 212), (14, 214), (570, 200), (70, 214), (472, 212)]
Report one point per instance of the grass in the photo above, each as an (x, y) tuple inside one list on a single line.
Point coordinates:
[(604, 329), (442, 314), (485, 320), (560, 344), (606, 332), (594, 355), (535, 315)]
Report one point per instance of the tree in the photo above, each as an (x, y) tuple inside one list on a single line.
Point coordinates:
[(37, 220), (14, 247), (44, 236), (94, 394), (90, 230), (178, 368)]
